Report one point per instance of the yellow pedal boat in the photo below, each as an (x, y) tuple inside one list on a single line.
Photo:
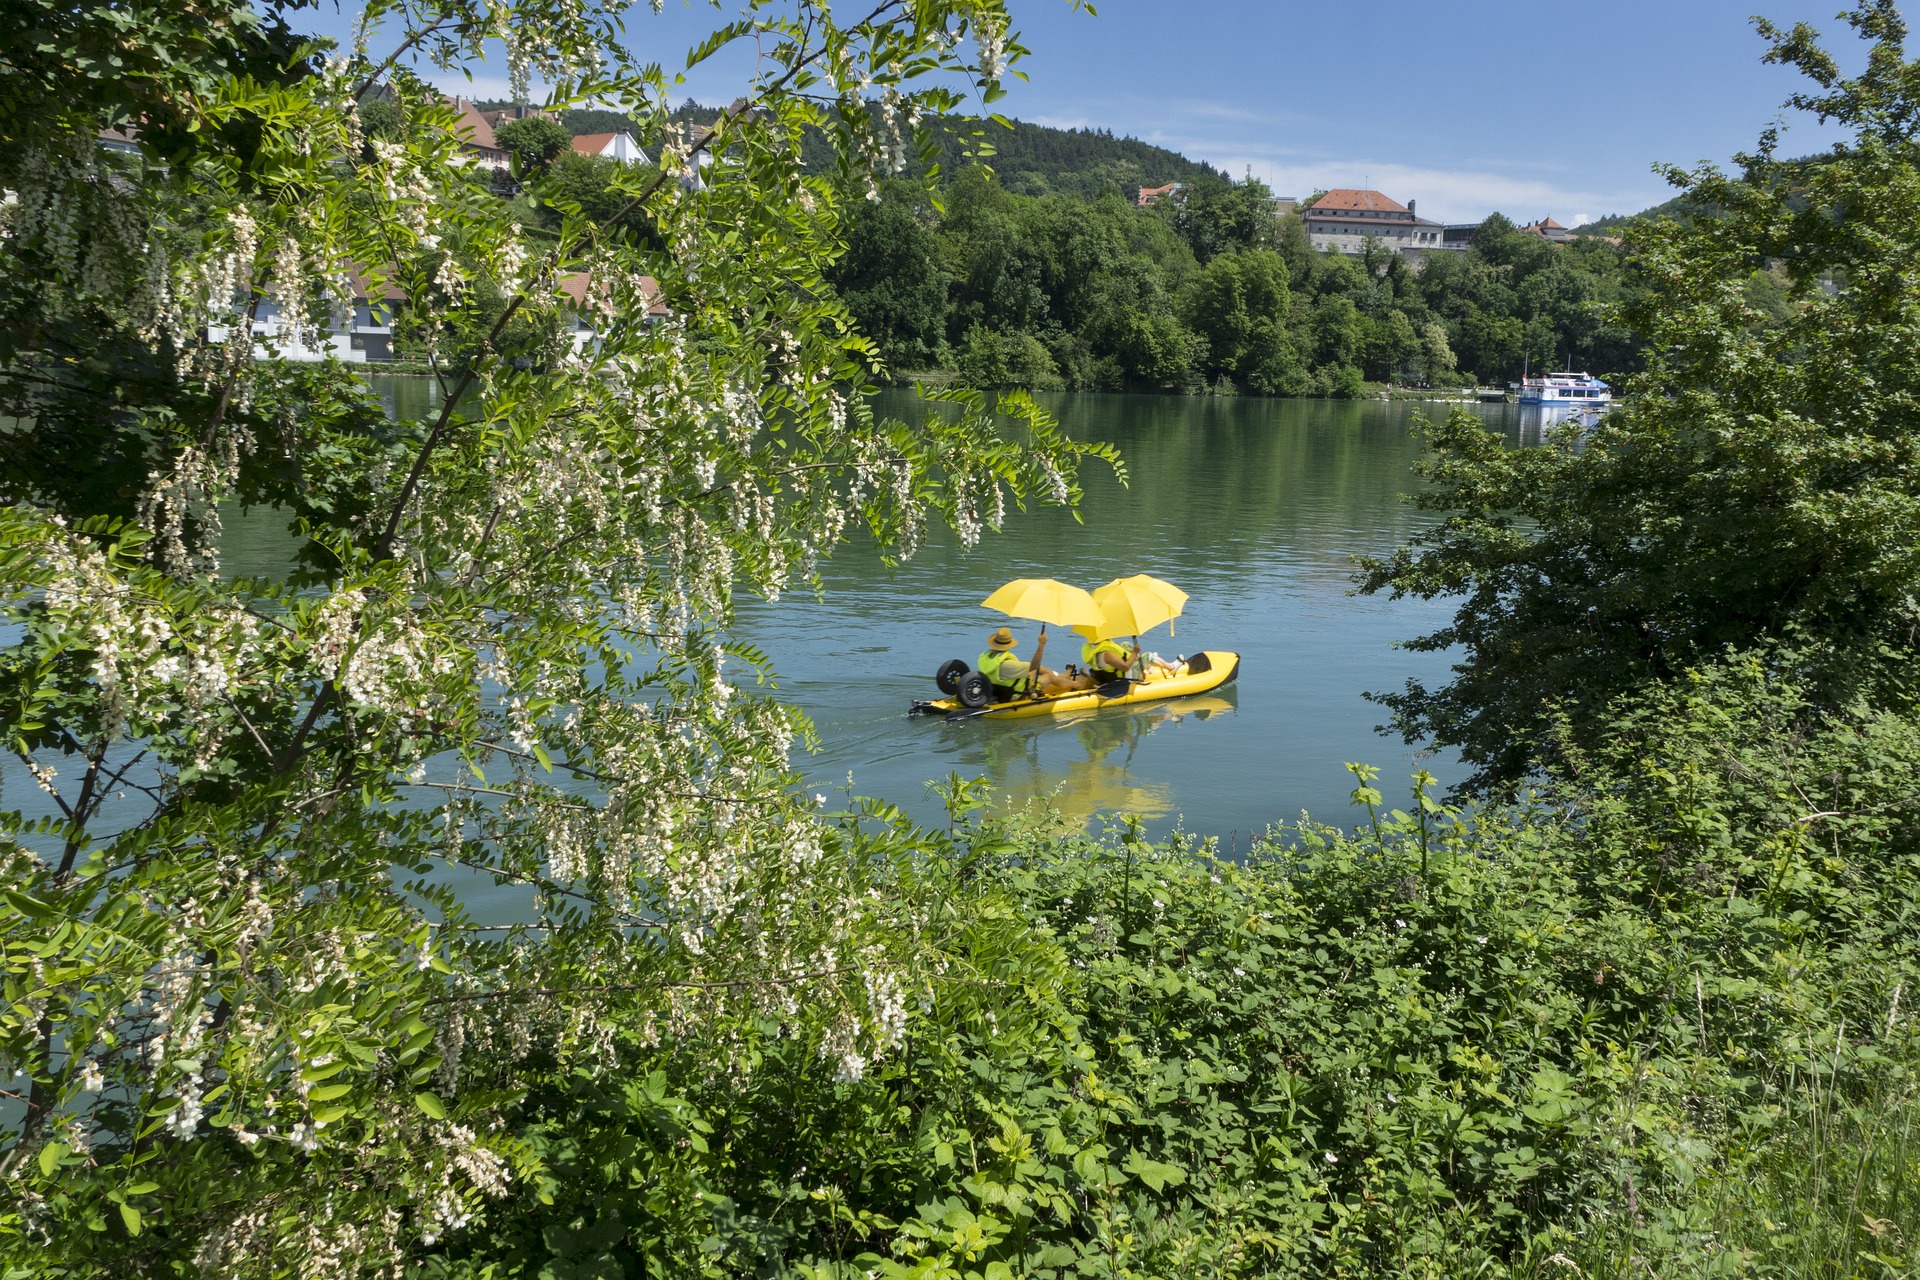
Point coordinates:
[(1198, 674)]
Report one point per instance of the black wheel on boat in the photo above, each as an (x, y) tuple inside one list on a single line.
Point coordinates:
[(948, 676), (974, 690)]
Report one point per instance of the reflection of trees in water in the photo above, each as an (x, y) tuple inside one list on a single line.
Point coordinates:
[(1216, 484), (1103, 780)]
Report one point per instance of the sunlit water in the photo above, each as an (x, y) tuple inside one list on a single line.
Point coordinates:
[(1256, 508)]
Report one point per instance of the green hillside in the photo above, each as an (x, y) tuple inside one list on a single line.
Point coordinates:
[(1614, 222), (1030, 159), (1680, 207), (1035, 159)]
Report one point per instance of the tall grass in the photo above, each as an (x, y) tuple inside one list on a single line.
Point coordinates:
[(1823, 1183)]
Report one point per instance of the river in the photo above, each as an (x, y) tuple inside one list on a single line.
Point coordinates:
[(1254, 507)]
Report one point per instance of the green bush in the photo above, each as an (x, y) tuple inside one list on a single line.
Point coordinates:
[(1443, 1043)]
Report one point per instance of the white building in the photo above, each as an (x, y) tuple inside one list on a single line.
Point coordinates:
[(360, 334), (1345, 218)]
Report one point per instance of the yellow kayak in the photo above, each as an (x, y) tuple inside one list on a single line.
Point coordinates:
[(1198, 674)]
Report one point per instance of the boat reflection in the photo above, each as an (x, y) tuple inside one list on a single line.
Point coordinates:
[(1096, 775), (1533, 421)]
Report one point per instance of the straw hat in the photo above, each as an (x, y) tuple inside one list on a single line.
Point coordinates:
[(1001, 640)]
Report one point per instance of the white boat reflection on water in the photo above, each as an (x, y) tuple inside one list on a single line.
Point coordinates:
[(1069, 795), (1533, 421)]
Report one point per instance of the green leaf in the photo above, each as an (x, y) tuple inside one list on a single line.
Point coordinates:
[(130, 1216), (431, 1104), (32, 908), (1154, 1173), (327, 1093), (50, 1157)]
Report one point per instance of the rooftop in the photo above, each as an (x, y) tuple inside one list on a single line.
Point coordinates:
[(472, 127), (1342, 199)]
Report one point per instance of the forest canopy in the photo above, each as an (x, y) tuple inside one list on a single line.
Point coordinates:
[(1211, 288)]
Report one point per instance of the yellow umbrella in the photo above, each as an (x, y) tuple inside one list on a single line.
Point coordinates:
[(1129, 606), (1045, 600)]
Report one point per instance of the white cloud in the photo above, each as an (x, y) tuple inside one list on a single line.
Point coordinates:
[(1445, 195), (1061, 122)]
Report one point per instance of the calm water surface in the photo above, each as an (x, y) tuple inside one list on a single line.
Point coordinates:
[(1254, 507)]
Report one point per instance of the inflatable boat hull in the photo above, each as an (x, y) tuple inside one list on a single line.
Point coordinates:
[(1199, 674)]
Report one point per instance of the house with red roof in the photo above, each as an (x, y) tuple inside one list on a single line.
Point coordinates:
[(1154, 195), (575, 284), (612, 146), (1345, 218), (475, 132)]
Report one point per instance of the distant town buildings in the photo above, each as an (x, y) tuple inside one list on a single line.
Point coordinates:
[(363, 332), (1345, 218), (1459, 235), (1154, 195)]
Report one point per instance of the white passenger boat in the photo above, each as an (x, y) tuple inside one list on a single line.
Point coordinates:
[(1579, 390)]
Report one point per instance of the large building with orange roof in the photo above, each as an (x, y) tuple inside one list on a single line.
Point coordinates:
[(1345, 218)]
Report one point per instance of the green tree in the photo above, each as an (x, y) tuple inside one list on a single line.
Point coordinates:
[(602, 190), (1219, 216), (383, 120), (533, 142), (1238, 305), (1759, 486), (248, 1027), (988, 358), (892, 280), (1340, 332), (1392, 344), (1494, 345), (997, 265), (1437, 362)]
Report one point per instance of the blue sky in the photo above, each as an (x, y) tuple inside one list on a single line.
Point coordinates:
[(1532, 109)]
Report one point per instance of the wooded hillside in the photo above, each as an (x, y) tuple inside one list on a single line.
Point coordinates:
[(1030, 159)]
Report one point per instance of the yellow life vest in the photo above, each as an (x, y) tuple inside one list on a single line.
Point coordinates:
[(989, 665), (1090, 653)]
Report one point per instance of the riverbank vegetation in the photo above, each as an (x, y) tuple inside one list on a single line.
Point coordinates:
[(1645, 1008), (1211, 289)]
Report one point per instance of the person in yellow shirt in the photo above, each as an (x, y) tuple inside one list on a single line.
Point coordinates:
[(1010, 675), (1109, 660)]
